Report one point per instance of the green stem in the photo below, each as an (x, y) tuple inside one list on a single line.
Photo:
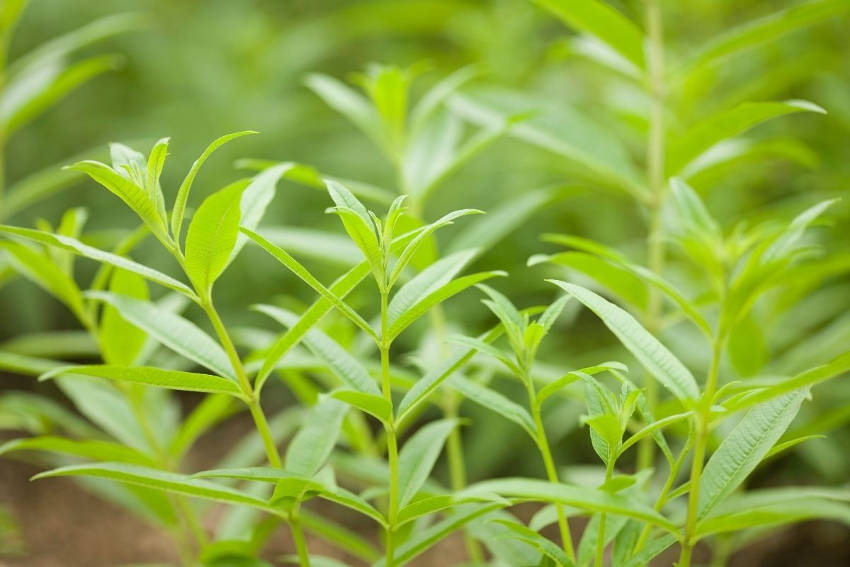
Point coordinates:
[(701, 436), (600, 533), (298, 538), (655, 173), (665, 491), (549, 464), (389, 426)]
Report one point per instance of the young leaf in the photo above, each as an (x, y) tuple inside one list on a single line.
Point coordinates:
[(212, 236), (150, 376), (419, 455), (654, 356), (179, 210)]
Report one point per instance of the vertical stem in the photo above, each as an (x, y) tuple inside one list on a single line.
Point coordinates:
[(655, 174), (298, 538), (600, 534), (260, 420), (262, 425), (392, 442), (700, 441), (549, 465)]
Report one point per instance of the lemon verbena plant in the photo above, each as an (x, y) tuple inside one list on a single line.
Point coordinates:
[(382, 376)]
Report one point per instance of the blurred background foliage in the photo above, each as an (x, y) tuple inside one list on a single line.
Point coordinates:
[(199, 69)]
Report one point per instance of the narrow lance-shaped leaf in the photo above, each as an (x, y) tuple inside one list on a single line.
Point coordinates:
[(653, 355), (604, 22), (77, 247), (151, 376), (339, 361), (725, 124), (299, 270), (167, 481), (179, 334), (179, 210), (744, 447), (313, 443), (419, 455)]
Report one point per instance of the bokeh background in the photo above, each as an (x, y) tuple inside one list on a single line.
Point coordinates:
[(199, 69)]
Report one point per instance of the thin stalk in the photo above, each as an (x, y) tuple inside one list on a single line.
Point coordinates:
[(665, 491), (298, 538), (655, 174), (392, 441), (700, 442), (549, 464), (600, 533), (259, 418)]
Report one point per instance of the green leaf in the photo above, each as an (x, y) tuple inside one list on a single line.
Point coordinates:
[(376, 406), (426, 385), (129, 191), (426, 538), (436, 297), (341, 287), (330, 248), (120, 341), (175, 332), (431, 278), (312, 445), (604, 22), (555, 386), (31, 91), (485, 348), (339, 536), (512, 321), (358, 224), (768, 28), (544, 545), (557, 128), (296, 268), (419, 455), (744, 447), (807, 379), (747, 346), (619, 281), (179, 210), (577, 496), (482, 233), (494, 401), (653, 355), (417, 241), (77, 247), (87, 448), (162, 480), (349, 103), (212, 236), (43, 271), (339, 361), (150, 376), (697, 139)]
